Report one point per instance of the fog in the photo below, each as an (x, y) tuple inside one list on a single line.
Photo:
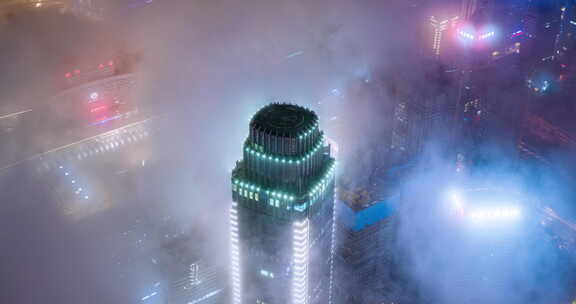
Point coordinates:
[(207, 67), (459, 260)]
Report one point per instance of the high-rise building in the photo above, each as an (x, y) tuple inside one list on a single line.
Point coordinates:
[(282, 214), (441, 30), (417, 116), (490, 80), (539, 137), (189, 273), (467, 9), (199, 283), (364, 250), (366, 266)]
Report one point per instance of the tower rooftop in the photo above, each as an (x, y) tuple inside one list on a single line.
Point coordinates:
[(282, 119)]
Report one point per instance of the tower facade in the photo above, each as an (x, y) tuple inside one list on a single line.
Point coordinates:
[(440, 29), (282, 214)]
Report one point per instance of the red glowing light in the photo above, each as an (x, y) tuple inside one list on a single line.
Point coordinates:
[(77, 71), (101, 66), (68, 75), (110, 63), (98, 109)]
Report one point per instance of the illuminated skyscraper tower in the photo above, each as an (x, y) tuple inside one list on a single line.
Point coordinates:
[(282, 214), (439, 27)]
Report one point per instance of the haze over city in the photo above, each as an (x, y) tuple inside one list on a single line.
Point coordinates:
[(344, 151)]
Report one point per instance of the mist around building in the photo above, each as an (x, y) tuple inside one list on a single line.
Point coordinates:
[(314, 152)]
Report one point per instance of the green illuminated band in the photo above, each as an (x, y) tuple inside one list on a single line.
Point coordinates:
[(318, 188), (309, 132), (289, 160)]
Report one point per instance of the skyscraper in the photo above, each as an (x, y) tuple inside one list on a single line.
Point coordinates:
[(282, 214), (364, 250), (490, 79), (439, 27)]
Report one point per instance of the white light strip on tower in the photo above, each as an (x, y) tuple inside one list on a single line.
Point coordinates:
[(301, 247), (332, 248), (235, 255)]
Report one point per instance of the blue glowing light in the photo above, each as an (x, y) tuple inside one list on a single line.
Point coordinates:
[(545, 86), (149, 296), (516, 33), (466, 35), (206, 296), (107, 120), (486, 35), (300, 208)]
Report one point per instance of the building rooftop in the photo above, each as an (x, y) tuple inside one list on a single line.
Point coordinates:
[(370, 214), (281, 119)]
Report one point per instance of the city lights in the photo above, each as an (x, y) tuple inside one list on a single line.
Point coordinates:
[(539, 85), (332, 252), (440, 26), (235, 256), (495, 213), (469, 34), (155, 163), (475, 207), (486, 35), (517, 33), (245, 188), (287, 160), (301, 235), (466, 35), (149, 296)]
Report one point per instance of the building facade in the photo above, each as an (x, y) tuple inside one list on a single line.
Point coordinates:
[(364, 252), (490, 77), (200, 283), (282, 214)]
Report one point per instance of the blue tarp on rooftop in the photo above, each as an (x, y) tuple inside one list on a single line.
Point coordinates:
[(370, 215)]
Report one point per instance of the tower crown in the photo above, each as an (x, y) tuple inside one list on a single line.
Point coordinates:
[(285, 154), (284, 129)]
